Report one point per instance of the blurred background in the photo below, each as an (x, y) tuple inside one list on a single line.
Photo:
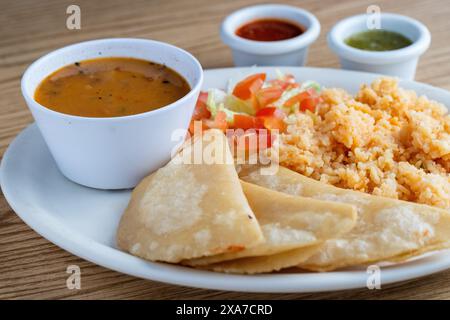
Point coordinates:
[(31, 28)]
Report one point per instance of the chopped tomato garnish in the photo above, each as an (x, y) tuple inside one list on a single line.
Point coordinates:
[(219, 122), (273, 118), (245, 122), (201, 111), (246, 88), (289, 78), (268, 95), (203, 97), (288, 81), (254, 103), (271, 112), (297, 99), (308, 104), (307, 100), (274, 124)]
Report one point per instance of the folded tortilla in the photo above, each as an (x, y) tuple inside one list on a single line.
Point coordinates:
[(190, 208), (263, 264), (288, 222), (387, 229)]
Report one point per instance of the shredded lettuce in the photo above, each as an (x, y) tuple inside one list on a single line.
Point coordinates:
[(311, 84), (220, 100), (230, 86), (238, 105), (279, 73), (216, 102)]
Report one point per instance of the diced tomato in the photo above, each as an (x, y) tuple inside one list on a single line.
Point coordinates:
[(289, 78), (249, 86), (308, 104), (203, 97), (201, 111), (219, 122), (272, 117), (254, 103), (274, 124), (277, 83), (307, 100), (297, 99), (271, 112), (288, 81), (268, 95), (245, 122)]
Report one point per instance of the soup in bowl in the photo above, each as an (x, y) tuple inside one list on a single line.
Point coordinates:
[(111, 87), (111, 110)]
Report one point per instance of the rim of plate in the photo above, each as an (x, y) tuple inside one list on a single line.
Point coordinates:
[(117, 260)]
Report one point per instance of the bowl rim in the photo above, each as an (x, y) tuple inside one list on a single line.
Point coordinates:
[(337, 44), (114, 41), (303, 40)]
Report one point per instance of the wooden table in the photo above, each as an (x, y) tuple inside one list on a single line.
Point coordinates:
[(32, 267)]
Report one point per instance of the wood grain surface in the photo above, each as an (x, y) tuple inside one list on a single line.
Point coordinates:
[(30, 266)]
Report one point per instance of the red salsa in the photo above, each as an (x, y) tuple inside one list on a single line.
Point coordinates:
[(269, 30)]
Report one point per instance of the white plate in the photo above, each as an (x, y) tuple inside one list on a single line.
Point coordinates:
[(83, 221)]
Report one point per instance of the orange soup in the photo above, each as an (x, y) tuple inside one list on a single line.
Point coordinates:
[(111, 87)]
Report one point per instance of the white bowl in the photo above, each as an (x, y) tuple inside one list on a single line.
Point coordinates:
[(401, 63), (275, 53), (117, 152)]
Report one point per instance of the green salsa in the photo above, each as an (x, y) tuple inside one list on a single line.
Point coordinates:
[(378, 40)]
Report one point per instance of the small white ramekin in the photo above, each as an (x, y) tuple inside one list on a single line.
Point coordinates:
[(113, 153), (290, 52), (401, 63)]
